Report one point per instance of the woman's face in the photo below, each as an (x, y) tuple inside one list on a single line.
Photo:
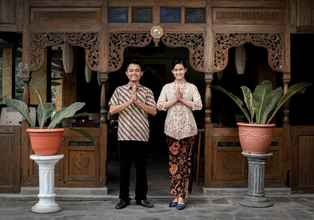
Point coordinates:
[(179, 71)]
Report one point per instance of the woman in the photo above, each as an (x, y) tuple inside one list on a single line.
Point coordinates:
[(179, 98)]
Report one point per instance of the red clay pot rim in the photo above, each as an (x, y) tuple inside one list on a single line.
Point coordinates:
[(255, 125), (39, 130)]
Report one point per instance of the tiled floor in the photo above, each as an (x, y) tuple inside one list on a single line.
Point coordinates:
[(223, 208)]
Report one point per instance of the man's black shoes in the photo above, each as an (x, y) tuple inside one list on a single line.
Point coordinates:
[(145, 203), (122, 204)]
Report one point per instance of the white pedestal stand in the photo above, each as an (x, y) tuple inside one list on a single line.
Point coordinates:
[(46, 164)]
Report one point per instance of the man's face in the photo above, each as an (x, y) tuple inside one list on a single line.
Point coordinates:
[(134, 72)]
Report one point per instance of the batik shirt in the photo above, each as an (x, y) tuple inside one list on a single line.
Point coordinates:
[(133, 122)]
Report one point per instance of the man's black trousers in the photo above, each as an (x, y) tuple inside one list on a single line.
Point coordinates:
[(133, 151)]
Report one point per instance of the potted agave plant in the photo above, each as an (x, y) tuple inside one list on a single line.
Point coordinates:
[(259, 108), (45, 138)]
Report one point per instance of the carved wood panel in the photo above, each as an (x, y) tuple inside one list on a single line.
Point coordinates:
[(89, 41), (193, 41), (273, 42), (119, 41), (82, 164)]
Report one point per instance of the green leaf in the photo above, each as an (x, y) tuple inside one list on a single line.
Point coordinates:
[(44, 110), (260, 94), (270, 104), (65, 113), (237, 101), (248, 99), (292, 90), (20, 107)]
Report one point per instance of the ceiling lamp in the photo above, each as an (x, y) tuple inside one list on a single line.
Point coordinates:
[(88, 74), (67, 58), (240, 59)]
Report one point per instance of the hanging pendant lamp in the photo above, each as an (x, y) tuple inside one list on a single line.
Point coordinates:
[(240, 59), (88, 74), (67, 58)]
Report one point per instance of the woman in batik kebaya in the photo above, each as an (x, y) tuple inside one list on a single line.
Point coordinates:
[(179, 98)]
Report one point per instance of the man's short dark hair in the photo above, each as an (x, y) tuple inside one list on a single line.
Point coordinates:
[(134, 62)]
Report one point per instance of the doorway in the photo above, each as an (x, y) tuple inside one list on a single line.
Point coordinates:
[(156, 64)]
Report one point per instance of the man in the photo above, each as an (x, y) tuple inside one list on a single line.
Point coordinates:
[(133, 102)]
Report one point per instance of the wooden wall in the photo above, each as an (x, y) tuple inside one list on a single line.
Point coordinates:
[(228, 167), (302, 147), (11, 15), (88, 14), (7, 70), (301, 14), (246, 16), (10, 148), (83, 165)]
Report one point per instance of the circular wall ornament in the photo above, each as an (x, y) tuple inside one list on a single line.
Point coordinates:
[(156, 32)]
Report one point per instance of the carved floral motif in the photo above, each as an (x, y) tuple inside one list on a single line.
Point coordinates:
[(89, 41), (119, 41), (273, 42), (193, 41)]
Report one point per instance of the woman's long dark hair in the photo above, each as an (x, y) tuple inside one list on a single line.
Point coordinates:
[(179, 61)]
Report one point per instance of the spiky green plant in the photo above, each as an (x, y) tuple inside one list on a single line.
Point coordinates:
[(261, 106), (45, 111)]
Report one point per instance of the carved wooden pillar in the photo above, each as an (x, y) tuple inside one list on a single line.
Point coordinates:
[(208, 97), (39, 81), (286, 151), (27, 166), (103, 78), (286, 80), (208, 129), (103, 75), (7, 72), (25, 65), (286, 70), (26, 77), (103, 139)]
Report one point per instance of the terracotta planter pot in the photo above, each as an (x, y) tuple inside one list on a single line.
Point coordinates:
[(255, 138), (45, 142)]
